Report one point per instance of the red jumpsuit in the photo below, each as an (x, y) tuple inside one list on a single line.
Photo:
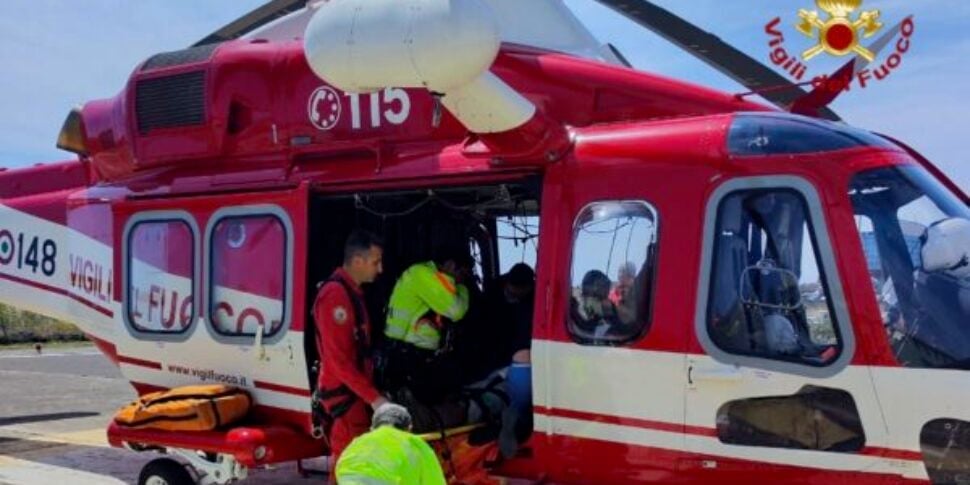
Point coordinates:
[(333, 312)]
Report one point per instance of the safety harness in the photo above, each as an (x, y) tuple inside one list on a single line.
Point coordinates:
[(323, 416)]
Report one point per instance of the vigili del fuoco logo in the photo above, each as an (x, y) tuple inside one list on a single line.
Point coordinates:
[(840, 28)]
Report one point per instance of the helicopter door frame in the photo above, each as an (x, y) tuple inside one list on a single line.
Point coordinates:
[(275, 365), (723, 382), (587, 392), (273, 369)]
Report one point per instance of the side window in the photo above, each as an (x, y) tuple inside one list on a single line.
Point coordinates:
[(160, 277), (248, 275), (774, 421), (769, 297), (613, 262)]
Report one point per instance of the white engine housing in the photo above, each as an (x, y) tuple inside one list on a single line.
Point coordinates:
[(446, 46)]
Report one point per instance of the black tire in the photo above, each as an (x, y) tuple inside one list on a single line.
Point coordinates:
[(166, 470)]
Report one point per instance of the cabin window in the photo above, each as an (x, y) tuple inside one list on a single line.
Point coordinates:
[(248, 275), (614, 249), (768, 296), (160, 276)]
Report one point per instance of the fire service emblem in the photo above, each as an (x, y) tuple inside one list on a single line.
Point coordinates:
[(839, 35), (840, 28)]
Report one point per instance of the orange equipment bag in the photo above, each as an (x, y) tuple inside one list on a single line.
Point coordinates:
[(189, 408), (462, 462)]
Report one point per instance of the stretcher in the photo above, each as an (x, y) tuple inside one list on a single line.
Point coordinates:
[(462, 462)]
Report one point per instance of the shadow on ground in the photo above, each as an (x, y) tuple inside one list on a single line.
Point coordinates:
[(34, 418)]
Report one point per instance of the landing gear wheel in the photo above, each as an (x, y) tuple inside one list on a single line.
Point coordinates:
[(165, 471)]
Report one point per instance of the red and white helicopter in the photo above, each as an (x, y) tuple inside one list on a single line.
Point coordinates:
[(800, 287)]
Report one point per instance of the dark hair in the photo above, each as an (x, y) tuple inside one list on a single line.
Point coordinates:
[(521, 275), (455, 253), (359, 243), (596, 284)]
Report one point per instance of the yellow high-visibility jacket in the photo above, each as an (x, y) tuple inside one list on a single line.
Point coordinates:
[(389, 456), (422, 288)]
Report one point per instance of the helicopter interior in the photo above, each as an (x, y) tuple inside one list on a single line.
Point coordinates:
[(497, 223), (769, 289)]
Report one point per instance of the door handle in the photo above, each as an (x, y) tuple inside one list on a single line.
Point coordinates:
[(714, 374)]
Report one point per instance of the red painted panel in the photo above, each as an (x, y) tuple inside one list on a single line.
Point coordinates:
[(248, 255), (39, 179), (49, 206), (166, 245), (571, 460), (90, 218)]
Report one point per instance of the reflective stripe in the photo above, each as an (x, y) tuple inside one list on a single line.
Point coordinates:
[(421, 334), (420, 289), (460, 303), (361, 480), (425, 336), (399, 314), (446, 282), (396, 330)]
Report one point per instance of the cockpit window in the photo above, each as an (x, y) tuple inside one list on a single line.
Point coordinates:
[(773, 134), (769, 296), (916, 238)]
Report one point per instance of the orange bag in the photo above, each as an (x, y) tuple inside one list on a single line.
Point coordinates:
[(463, 463), (190, 408)]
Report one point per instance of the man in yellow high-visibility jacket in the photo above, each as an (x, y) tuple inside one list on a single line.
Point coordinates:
[(389, 454), (426, 298)]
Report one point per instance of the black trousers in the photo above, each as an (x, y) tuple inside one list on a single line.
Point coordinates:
[(430, 377)]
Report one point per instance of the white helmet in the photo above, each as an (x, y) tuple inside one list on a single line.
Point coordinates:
[(947, 248)]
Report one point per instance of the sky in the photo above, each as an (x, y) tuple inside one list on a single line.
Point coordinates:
[(59, 54)]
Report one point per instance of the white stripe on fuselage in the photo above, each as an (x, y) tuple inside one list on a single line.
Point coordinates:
[(652, 386)]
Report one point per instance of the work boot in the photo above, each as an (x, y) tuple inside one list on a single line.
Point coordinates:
[(508, 441)]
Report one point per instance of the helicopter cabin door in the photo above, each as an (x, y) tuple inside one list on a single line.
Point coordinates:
[(607, 358), (770, 385), (213, 293)]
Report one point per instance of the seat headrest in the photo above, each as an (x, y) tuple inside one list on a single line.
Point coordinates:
[(947, 248)]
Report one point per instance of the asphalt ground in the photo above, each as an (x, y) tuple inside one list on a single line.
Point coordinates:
[(54, 409)]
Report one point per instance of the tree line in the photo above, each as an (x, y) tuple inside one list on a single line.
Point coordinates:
[(18, 326)]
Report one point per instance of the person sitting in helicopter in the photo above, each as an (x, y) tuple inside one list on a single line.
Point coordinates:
[(623, 293), (593, 312)]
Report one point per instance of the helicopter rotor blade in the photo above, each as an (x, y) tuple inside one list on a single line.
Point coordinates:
[(259, 17), (720, 55)]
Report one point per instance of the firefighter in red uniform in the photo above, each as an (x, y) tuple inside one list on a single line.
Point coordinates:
[(345, 385)]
